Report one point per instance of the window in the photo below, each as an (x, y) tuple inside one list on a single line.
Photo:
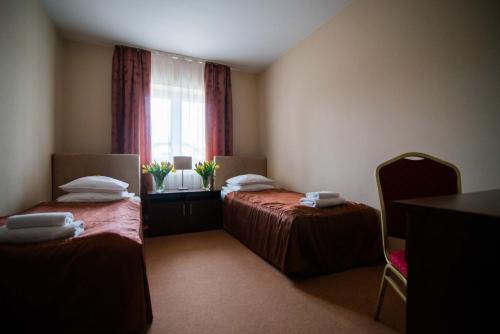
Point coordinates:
[(177, 113)]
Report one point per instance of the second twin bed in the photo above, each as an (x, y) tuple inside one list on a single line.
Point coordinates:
[(296, 239)]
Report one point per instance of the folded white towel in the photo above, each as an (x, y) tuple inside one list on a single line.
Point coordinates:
[(322, 203), (38, 234), (43, 219), (322, 194)]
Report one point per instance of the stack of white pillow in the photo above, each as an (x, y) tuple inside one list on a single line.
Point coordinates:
[(248, 182), (94, 189)]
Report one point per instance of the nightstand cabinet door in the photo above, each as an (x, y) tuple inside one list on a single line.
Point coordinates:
[(175, 212), (205, 214), (167, 217)]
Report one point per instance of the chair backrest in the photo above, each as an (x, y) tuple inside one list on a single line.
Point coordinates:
[(412, 175)]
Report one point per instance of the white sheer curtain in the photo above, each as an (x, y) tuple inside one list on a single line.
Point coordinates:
[(177, 114)]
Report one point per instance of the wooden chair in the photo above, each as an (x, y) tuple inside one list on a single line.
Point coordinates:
[(410, 175)]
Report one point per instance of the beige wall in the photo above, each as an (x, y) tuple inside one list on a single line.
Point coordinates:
[(379, 79), (245, 116), (28, 85), (86, 116), (86, 98)]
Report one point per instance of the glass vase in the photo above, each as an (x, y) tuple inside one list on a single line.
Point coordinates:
[(159, 183), (206, 182)]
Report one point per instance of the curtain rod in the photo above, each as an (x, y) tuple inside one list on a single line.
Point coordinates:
[(189, 58), (183, 57)]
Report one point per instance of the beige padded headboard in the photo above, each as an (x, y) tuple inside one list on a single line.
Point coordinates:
[(234, 165), (67, 167)]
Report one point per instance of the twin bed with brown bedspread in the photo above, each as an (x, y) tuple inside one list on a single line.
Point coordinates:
[(301, 240), (94, 283), (298, 240)]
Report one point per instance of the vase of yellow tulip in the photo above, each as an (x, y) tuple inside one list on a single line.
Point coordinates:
[(206, 170), (159, 171)]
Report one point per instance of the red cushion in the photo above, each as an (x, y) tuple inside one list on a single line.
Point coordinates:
[(398, 260)]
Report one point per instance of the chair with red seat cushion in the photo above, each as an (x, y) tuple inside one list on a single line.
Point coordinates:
[(398, 260), (410, 175)]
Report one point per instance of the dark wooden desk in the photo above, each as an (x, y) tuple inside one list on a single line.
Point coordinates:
[(453, 254)]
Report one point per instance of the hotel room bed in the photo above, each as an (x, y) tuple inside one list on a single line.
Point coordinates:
[(94, 283), (296, 239)]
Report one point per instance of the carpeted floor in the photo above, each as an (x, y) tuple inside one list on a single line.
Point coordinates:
[(209, 282)]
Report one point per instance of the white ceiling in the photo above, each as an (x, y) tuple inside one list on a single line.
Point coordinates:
[(248, 34)]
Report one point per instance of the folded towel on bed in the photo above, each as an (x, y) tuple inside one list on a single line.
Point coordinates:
[(44, 219), (322, 203), (322, 194), (38, 234)]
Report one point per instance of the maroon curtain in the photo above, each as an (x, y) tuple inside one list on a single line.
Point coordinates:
[(218, 110), (131, 91)]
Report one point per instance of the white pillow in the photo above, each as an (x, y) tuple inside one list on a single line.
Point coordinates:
[(95, 184), (249, 187), (249, 179), (94, 197)]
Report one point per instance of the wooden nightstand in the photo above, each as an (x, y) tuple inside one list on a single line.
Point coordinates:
[(182, 211)]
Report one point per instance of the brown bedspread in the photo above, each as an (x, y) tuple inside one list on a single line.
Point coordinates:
[(95, 283), (303, 240)]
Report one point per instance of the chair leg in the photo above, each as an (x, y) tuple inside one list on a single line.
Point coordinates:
[(381, 294)]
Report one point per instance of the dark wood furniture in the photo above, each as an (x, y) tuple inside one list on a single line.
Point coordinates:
[(453, 252), (182, 211)]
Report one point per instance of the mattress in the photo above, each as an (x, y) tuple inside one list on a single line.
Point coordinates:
[(300, 240), (96, 282)]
